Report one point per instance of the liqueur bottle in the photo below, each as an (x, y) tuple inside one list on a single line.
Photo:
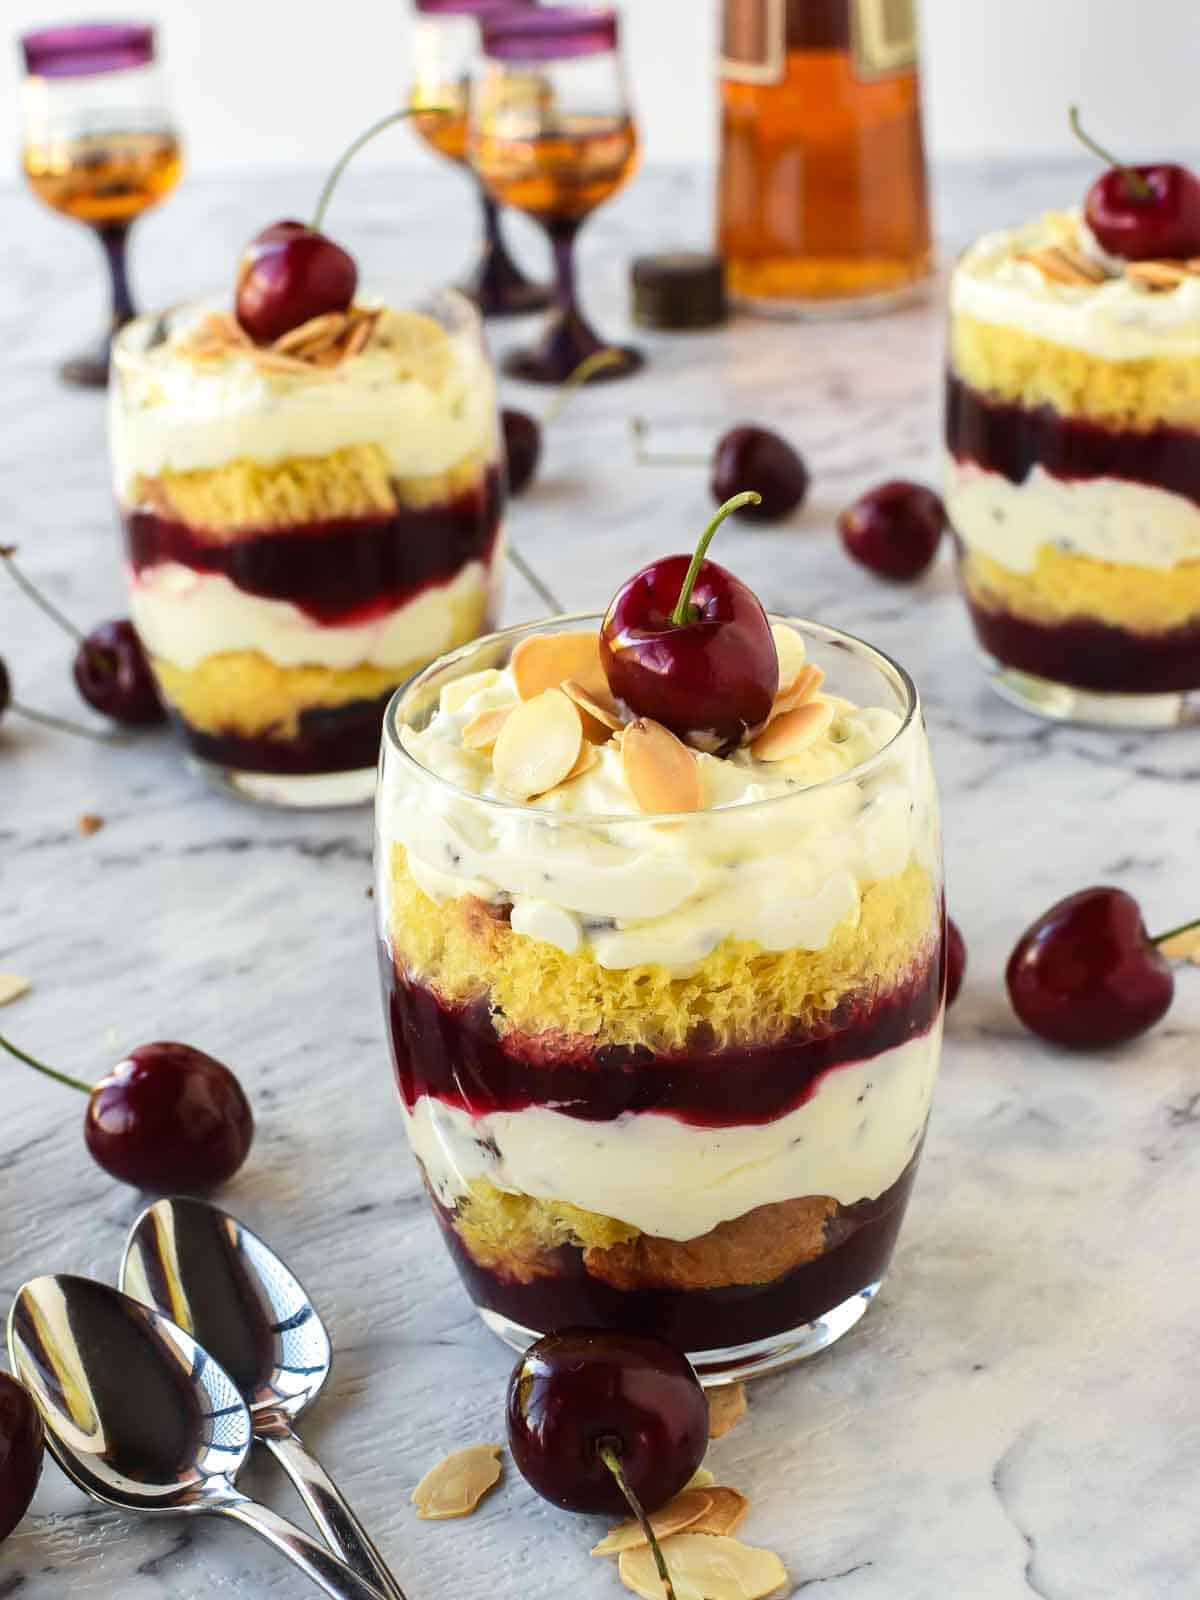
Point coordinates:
[(822, 203)]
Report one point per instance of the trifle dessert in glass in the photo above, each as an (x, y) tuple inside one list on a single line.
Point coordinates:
[(1073, 471), (306, 523), (665, 1020)]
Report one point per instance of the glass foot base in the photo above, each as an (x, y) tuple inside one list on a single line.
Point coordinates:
[(839, 310), (322, 791), (88, 370), (499, 288), (551, 363), (1086, 708), (738, 1362)]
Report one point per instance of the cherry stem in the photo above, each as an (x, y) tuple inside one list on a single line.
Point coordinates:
[(639, 428), (682, 613), (8, 553), (1173, 933), (587, 368), (40, 1066), (609, 1451), (64, 726), (545, 595), (352, 149), (1138, 186)]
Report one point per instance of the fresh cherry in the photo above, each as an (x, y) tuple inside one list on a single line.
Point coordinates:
[(522, 448), (167, 1118), (1147, 213), (746, 457), (1087, 974), (894, 529), (22, 1447), (5, 688), (956, 960), (598, 1422), (686, 643)]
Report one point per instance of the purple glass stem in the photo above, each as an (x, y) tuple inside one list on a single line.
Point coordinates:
[(114, 241)]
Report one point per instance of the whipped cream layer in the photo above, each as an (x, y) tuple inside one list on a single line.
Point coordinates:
[(183, 616), (1115, 320), (169, 412), (780, 856), (1108, 519), (851, 1140)]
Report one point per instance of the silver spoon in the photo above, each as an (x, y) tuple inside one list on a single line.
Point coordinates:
[(199, 1266), (140, 1417)]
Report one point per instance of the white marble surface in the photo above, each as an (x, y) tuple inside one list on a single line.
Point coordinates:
[(1019, 1413)]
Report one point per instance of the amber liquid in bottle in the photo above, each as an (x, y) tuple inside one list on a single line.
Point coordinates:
[(104, 178), (558, 177), (822, 201)]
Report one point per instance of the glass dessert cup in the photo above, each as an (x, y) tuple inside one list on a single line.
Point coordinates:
[(1073, 458), (303, 534), (667, 1074)]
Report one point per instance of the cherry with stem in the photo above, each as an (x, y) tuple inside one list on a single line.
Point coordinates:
[(1141, 213), (609, 1451), (1137, 185), (745, 457)]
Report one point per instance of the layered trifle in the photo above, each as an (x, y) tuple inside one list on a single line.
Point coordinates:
[(665, 1022), (307, 522), (1073, 471)]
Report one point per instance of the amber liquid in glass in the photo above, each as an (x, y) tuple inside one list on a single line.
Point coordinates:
[(558, 177), (822, 193), (104, 178), (445, 132)]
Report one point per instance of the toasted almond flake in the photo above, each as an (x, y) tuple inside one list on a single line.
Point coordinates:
[(538, 744), (1193, 264), (705, 1568), (90, 823), (600, 715), (1157, 274), (545, 660), (790, 649), (12, 987), (1062, 265), (727, 1511), (688, 1506), (316, 330), (587, 758), (794, 731), (662, 773), (360, 334), (1184, 946), (726, 1408), (484, 727), (702, 1478), (802, 687), (455, 694), (456, 1485)]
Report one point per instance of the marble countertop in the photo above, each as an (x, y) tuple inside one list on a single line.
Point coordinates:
[(1019, 1413)]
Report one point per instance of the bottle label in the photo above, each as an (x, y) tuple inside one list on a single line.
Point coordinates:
[(883, 37), (753, 41)]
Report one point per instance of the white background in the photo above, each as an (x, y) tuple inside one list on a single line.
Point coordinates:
[(269, 83)]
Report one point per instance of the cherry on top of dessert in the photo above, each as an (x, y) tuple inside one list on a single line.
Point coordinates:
[(1086, 974), (1144, 213), (291, 272), (687, 644)]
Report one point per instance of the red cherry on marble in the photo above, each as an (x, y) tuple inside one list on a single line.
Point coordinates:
[(522, 448), (894, 529), (1087, 974), (956, 960), (166, 1118), (1146, 213), (750, 457), (22, 1446), (113, 675), (288, 274), (574, 1391), (686, 643), (5, 688)]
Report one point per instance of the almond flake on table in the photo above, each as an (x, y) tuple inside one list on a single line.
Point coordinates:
[(90, 823), (726, 1408), (727, 1510), (688, 1507), (456, 1485), (705, 1568), (702, 1478), (12, 987)]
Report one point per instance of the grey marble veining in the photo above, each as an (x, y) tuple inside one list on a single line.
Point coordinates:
[(1018, 1415)]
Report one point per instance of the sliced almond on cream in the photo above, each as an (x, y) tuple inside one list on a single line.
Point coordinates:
[(727, 1510), (587, 758), (1060, 264), (600, 715), (538, 744), (12, 987), (794, 731), (455, 694), (545, 660), (802, 687), (315, 332), (688, 1506), (705, 1568), (790, 649), (726, 1408), (1157, 274), (484, 727), (456, 1485), (662, 773)]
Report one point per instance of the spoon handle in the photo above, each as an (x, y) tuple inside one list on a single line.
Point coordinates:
[(338, 1580), (329, 1510)]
